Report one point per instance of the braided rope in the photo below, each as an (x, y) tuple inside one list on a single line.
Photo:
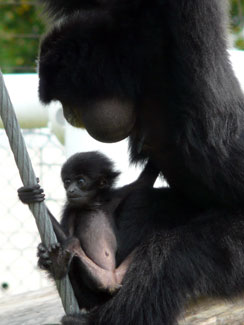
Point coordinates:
[(28, 177)]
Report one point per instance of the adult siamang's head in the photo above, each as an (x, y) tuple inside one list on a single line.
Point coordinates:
[(89, 62)]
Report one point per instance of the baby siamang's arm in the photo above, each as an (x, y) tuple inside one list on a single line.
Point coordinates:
[(34, 194)]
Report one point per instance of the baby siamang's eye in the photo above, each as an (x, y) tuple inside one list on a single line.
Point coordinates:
[(81, 182), (67, 183)]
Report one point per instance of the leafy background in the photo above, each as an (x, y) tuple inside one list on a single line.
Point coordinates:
[(21, 26)]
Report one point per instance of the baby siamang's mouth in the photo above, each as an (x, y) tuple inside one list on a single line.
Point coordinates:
[(75, 197), (77, 201)]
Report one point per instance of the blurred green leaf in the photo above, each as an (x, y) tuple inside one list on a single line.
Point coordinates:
[(20, 29), (237, 23)]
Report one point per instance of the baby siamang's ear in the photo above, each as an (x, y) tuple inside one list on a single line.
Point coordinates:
[(103, 183)]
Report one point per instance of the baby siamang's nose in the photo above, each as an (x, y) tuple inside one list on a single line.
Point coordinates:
[(72, 189)]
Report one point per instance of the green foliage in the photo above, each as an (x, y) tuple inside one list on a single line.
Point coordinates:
[(237, 10), (21, 26), (237, 22), (20, 31)]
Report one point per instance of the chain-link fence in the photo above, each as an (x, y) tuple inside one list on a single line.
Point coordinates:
[(18, 233)]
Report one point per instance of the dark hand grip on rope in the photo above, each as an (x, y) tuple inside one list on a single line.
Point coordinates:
[(28, 177)]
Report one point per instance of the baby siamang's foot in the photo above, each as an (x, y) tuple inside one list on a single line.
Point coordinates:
[(81, 319), (54, 259), (31, 194), (44, 261), (61, 259)]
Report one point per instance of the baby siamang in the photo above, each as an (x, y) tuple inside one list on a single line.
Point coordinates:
[(89, 230), (159, 72)]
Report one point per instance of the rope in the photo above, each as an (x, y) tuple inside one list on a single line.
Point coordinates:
[(28, 177)]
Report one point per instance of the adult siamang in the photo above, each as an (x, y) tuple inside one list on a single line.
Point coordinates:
[(158, 71)]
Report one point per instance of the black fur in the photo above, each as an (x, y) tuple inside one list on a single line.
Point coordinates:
[(59, 8), (93, 164), (169, 58), (96, 166), (93, 205)]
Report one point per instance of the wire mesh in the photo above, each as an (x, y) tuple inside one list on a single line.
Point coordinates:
[(18, 234)]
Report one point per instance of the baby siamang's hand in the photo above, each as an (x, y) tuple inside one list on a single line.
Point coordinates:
[(31, 194)]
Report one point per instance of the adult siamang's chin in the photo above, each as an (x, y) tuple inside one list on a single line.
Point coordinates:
[(108, 120)]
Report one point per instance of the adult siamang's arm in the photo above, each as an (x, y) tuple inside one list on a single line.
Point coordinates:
[(207, 102)]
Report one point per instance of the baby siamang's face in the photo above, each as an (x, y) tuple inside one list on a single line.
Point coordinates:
[(80, 191)]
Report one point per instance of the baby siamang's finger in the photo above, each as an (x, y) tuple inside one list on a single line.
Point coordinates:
[(33, 192), (29, 197), (38, 198), (41, 248), (30, 194), (38, 194), (37, 191), (44, 264)]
